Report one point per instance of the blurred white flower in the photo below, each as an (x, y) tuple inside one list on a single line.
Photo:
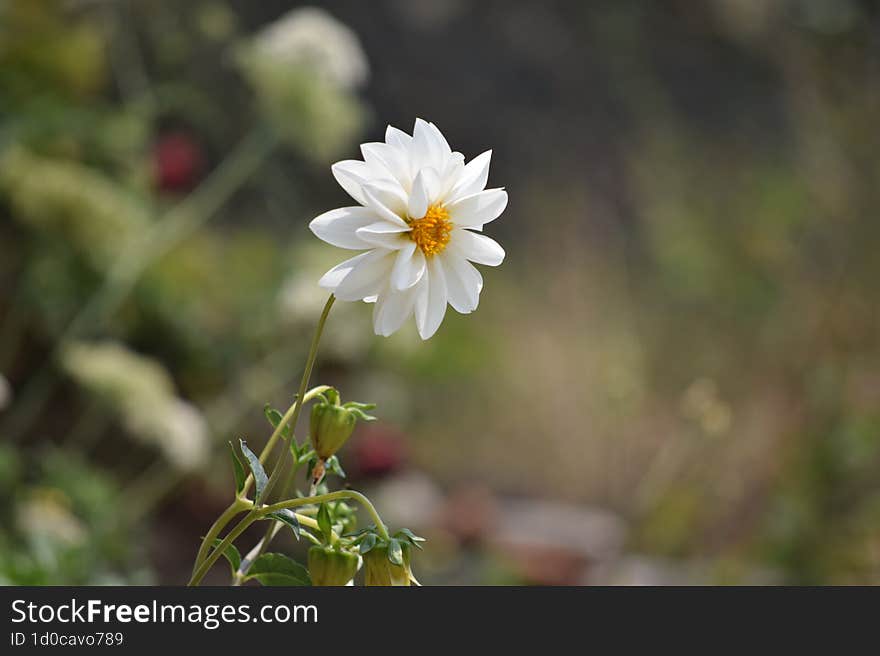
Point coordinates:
[(46, 513), (184, 435), (141, 392), (311, 38), (420, 214)]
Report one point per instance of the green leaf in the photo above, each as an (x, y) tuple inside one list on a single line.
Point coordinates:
[(367, 543), (275, 418), (287, 516), (324, 521), (395, 551), (409, 536), (334, 467), (276, 569), (260, 478), (237, 470), (231, 554)]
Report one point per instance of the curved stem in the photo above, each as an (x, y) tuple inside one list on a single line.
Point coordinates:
[(303, 383), (209, 561), (256, 514), (290, 417), (260, 548), (333, 496), (237, 506)]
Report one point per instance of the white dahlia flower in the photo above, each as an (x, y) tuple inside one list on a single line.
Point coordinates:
[(420, 213)]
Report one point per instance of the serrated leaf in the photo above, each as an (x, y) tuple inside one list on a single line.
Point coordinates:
[(275, 569), (324, 521), (237, 470), (231, 554), (287, 516), (275, 418), (395, 551), (335, 467), (367, 543), (260, 478)]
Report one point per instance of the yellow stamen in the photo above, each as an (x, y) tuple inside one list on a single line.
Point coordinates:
[(431, 233)]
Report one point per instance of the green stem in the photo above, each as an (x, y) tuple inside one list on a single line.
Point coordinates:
[(272, 530), (257, 514), (264, 455), (303, 383), (225, 517), (333, 496), (260, 548), (290, 417)]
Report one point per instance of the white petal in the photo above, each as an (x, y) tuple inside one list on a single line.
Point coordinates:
[(384, 234), (418, 198), (367, 277), (379, 199), (450, 176), (351, 174), (339, 227), (463, 283), (392, 309), (431, 303), (474, 177), (423, 191), (478, 209), (476, 248), (391, 159), (337, 274), (428, 148), (409, 267), (395, 137)]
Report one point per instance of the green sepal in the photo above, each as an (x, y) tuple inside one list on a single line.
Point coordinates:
[(325, 524)]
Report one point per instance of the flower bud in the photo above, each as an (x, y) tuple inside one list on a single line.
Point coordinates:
[(380, 571), (332, 424), (329, 567)]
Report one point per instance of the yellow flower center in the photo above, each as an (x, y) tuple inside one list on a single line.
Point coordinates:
[(431, 233)]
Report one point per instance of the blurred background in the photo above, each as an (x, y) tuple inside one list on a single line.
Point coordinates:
[(674, 378)]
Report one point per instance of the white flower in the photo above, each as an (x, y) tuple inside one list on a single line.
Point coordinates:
[(311, 37), (419, 205)]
